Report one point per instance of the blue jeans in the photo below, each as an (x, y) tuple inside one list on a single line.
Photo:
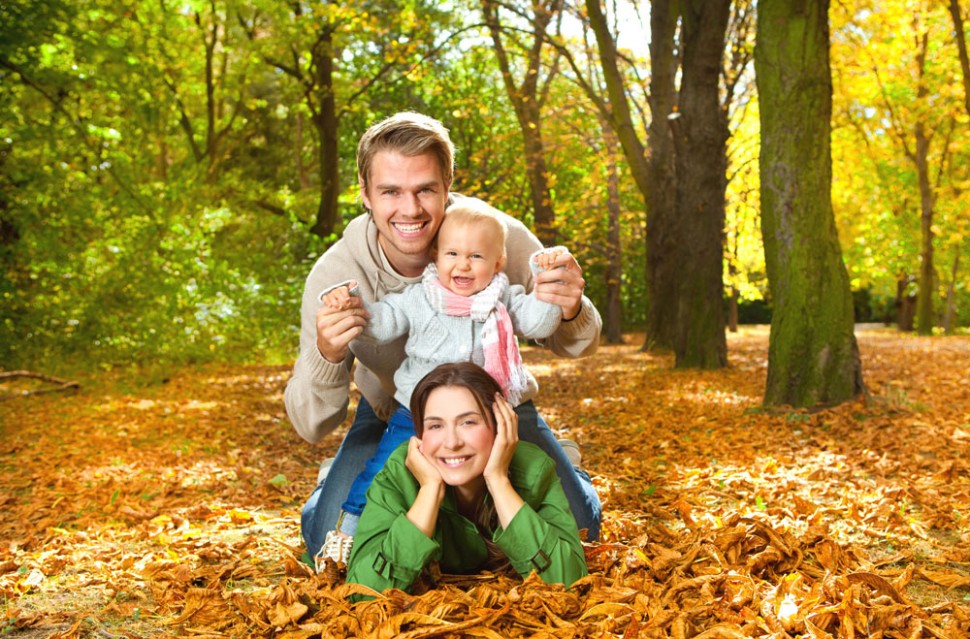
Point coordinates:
[(322, 509), (400, 429)]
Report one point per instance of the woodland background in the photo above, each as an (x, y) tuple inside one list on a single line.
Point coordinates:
[(170, 170)]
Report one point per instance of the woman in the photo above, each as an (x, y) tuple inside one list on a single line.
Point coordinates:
[(465, 492)]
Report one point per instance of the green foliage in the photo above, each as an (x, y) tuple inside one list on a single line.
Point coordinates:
[(160, 164)]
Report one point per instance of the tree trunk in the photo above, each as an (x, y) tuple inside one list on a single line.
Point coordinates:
[(700, 144), (733, 297), (927, 283), (927, 280), (614, 251), (905, 304), (663, 266), (325, 121), (813, 357), (962, 50), (526, 101), (949, 315)]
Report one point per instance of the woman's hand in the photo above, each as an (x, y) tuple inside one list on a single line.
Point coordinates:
[(421, 467), (506, 439), (507, 501), (424, 511)]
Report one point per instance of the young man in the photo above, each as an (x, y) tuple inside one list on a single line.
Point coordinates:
[(405, 167)]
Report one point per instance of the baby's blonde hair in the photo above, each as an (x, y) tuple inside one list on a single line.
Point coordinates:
[(471, 210)]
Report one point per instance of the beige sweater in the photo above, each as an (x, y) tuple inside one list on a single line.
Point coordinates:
[(317, 394)]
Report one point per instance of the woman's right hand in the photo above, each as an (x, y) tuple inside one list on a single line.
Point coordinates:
[(421, 467), (424, 511)]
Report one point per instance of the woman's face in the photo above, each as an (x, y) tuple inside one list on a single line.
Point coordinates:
[(457, 437)]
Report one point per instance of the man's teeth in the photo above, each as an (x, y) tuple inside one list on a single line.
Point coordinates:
[(454, 461), (408, 228)]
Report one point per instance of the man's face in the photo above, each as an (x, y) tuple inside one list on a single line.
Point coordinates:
[(406, 196)]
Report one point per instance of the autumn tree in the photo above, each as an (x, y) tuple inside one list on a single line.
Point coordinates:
[(683, 301), (528, 90), (813, 357)]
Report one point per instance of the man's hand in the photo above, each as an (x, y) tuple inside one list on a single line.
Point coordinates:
[(340, 320), (562, 286)]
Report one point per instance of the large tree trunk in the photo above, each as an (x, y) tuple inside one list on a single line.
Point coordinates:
[(325, 121), (700, 142), (813, 358), (663, 267)]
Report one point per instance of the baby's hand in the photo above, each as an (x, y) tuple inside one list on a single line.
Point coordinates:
[(337, 298), (545, 260)]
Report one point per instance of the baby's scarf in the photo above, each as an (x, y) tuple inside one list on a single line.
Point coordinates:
[(502, 359)]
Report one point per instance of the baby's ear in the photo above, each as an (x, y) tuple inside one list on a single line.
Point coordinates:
[(501, 264)]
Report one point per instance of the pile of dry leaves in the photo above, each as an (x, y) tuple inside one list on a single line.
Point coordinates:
[(173, 510)]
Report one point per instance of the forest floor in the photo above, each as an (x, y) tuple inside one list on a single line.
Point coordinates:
[(173, 509)]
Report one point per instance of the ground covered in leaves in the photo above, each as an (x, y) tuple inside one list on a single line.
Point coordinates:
[(173, 509)]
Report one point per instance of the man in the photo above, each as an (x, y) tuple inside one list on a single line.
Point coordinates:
[(405, 167)]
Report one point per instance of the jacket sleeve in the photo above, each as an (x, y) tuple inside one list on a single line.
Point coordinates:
[(542, 536), (531, 317), (389, 318), (389, 551)]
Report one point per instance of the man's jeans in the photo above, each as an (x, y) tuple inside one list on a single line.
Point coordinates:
[(323, 507)]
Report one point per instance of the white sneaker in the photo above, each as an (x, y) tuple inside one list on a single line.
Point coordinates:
[(324, 470), (336, 547), (573, 453)]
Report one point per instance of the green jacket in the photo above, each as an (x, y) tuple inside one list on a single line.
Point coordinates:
[(390, 552)]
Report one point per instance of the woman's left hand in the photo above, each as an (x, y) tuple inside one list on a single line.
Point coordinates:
[(506, 439)]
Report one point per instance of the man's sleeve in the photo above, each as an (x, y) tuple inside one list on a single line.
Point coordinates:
[(317, 393)]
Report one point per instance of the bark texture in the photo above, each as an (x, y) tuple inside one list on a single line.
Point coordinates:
[(700, 143), (813, 358)]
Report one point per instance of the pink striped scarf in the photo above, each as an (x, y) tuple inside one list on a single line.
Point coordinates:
[(502, 358)]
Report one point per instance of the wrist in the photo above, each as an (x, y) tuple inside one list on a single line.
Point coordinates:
[(568, 317), (497, 482)]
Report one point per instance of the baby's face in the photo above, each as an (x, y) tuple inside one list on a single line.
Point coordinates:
[(469, 255)]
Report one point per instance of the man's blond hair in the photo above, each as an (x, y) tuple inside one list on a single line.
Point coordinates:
[(410, 134)]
